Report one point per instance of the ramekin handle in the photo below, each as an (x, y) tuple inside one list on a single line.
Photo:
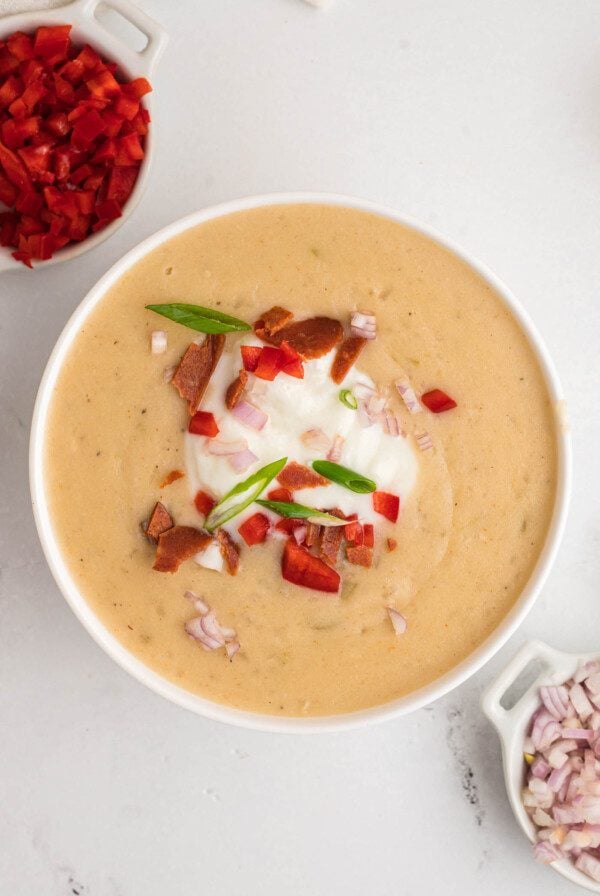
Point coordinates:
[(141, 62)]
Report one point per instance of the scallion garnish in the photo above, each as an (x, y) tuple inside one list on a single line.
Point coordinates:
[(203, 320), (348, 399), (301, 512), (242, 495), (356, 482)]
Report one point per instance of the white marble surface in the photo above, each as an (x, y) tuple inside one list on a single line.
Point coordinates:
[(480, 118)]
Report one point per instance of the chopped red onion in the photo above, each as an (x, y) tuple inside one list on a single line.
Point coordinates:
[(241, 460), (158, 342), (316, 440), (586, 670), (249, 415), (580, 702), (206, 628), (397, 620), (556, 700), (335, 452), (364, 418), (300, 534), (195, 630), (231, 648), (375, 404), (408, 396), (546, 852), (390, 423), (424, 441), (363, 324), (199, 604), (225, 449), (168, 374)]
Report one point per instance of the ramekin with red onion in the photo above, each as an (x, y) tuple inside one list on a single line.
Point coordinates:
[(551, 751)]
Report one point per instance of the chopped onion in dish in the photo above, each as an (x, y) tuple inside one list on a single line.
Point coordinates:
[(316, 440), (335, 452), (424, 441), (363, 324), (207, 630), (168, 374), (407, 395), (249, 415), (158, 342), (242, 460), (562, 755), (199, 604), (390, 423), (397, 620), (226, 449)]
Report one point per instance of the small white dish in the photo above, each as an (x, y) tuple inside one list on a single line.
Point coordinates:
[(207, 708), (511, 725), (88, 29)]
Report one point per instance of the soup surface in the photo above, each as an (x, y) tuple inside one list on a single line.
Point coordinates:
[(475, 508)]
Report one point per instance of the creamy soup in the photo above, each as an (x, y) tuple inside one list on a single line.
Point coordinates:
[(476, 483)]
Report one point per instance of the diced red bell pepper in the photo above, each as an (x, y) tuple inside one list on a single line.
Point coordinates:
[(203, 423), (79, 227), (369, 535), (291, 362), (26, 103), (10, 90), (80, 174), (36, 158), (89, 59), (139, 124), (280, 494), (120, 183), (95, 181), (250, 356), (437, 401), (204, 503), (269, 363), (52, 42), (15, 133), (137, 88), (302, 568), (73, 71), (29, 225), (107, 211), (14, 168), (387, 505), (85, 201), (20, 45), (29, 203), (113, 123), (8, 62), (58, 124), (106, 152), (62, 164), (64, 90), (87, 128), (8, 225), (126, 107), (129, 149), (103, 84), (8, 191), (254, 529)]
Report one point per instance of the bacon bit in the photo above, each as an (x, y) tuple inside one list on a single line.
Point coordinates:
[(387, 505), (254, 529), (424, 440), (196, 368), (359, 555), (160, 521), (250, 356), (437, 401), (392, 544), (280, 494), (369, 535), (363, 324), (407, 394), (203, 423), (307, 571), (346, 356), (272, 322), (171, 477), (204, 503), (236, 389), (296, 476), (354, 533), (311, 338), (335, 452), (316, 440), (313, 533), (331, 542), (179, 544), (230, 551)]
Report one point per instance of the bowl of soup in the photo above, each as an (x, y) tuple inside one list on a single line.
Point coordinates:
[(298, 463)]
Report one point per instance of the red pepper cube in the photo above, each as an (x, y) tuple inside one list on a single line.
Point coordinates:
[(269, 363), (29, 203), (80, 174), (203, 423), (437, 401), (64, 90), (129, 149), (112, 122), (254, 529), (8, 192), (79, 227), (10, 90), (58, 124), (14, 169), (137, 88), (126, 107), (52, 42), (85, 201), (368, 535), (8, 62), (62, 163), (20, 45), (36, 158), (87, 128), (308, 571), (120, 183), (89, 59), (280, 494), (353, 533), (103, 84), (204, 503), (250, 356), (387, 505)]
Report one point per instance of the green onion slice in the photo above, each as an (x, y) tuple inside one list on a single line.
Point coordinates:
[(242, 495), (348, 398), (301, 512), (204, 320), (356, 482)]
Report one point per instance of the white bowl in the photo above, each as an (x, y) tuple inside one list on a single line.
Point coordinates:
[(206, 707), (512, 724), (87, 28)]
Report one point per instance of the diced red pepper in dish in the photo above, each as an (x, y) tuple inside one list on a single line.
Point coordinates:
[(387, 505), (204, 502), (52, 42), (254, 529), (250, 356), (203, 423), (308, 571), (437, 401), (21, 46), (280, 494)]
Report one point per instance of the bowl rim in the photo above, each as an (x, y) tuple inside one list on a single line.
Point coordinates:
[(220, 712)]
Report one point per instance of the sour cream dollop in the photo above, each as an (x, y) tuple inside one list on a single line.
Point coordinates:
[(294, 406)]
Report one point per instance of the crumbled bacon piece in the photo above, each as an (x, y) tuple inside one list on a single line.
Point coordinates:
[(313, 532), (272, 321), (331, 542), (236, 389), (230, 551), (171, 477), (392, 544), (295, 476), (160, 521), (360, 555), (311, 338), (196, 368), (178, 544), (346, 356)]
